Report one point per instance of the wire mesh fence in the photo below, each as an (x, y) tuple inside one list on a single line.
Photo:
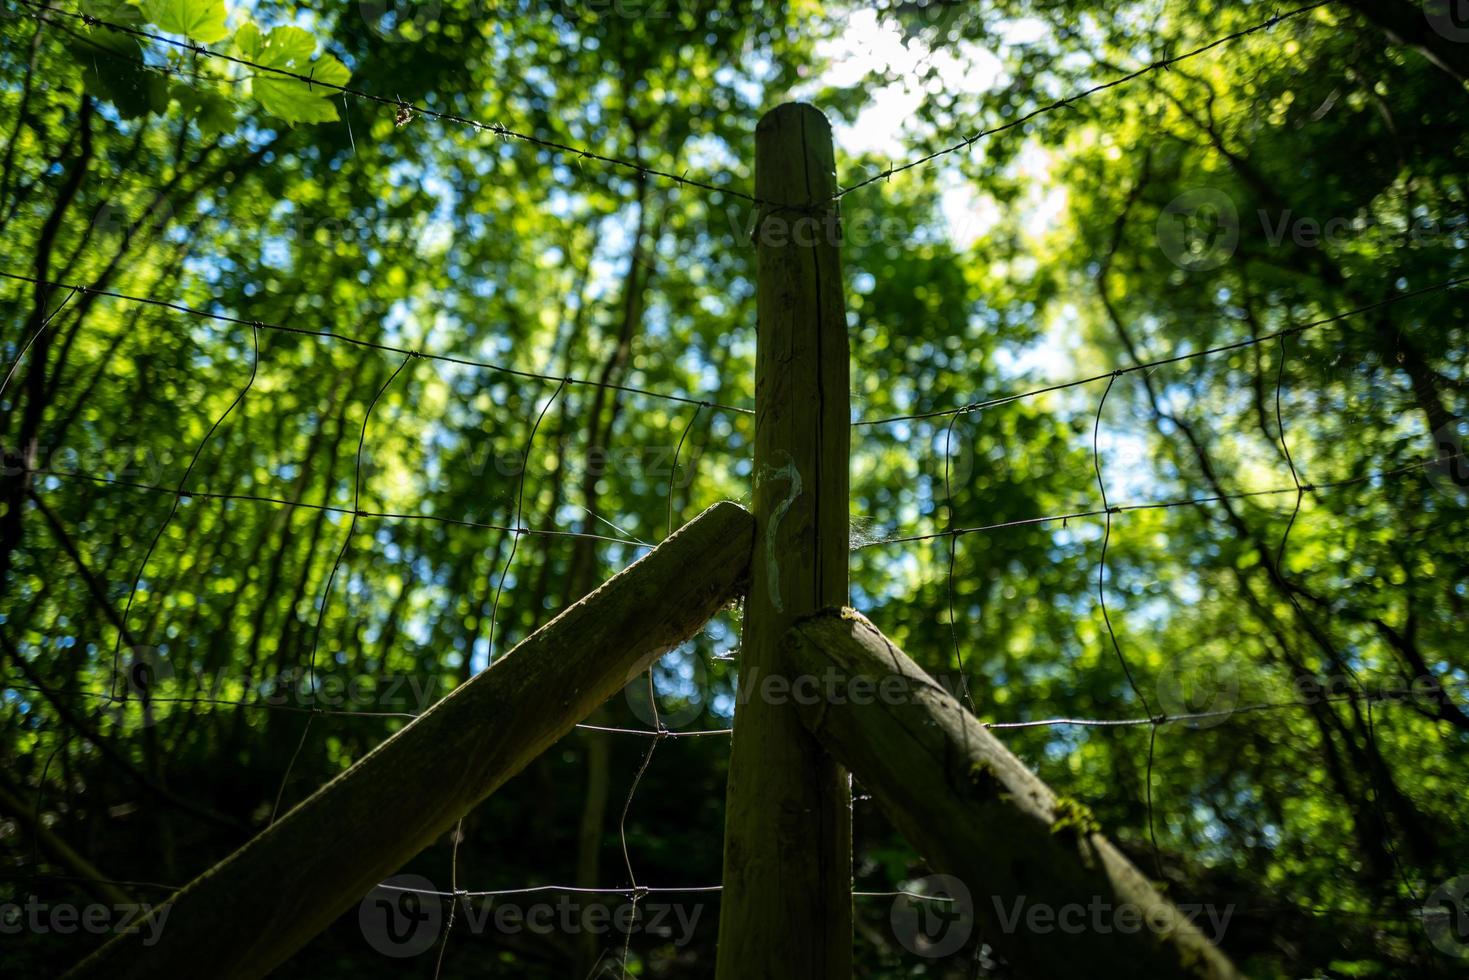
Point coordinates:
[(133, 689)]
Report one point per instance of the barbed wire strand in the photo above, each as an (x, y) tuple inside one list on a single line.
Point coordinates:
[(1162, 64), (403, 109), (220, 702), (1407, 916), (1393, 696)]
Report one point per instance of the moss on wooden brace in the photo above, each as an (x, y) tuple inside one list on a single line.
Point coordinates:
[(974, 811), (1073, 816)]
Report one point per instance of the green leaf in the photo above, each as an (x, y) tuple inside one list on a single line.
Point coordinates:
[(112, 64), (290, 49), (212, 113), (199, 20), (114, 12)]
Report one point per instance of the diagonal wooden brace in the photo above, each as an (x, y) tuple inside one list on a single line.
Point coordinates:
[(974, 811), (244, 916)]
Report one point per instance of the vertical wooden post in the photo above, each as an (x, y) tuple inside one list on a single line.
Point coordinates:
[(786, 910)]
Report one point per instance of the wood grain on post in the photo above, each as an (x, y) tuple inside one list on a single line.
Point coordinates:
[(260, 904), (1048, 891), (786, 908)]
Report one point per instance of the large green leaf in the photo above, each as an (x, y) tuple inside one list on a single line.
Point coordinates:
[(114, 12), (290, 49), (112, 63), (200, 20), (213, 113)]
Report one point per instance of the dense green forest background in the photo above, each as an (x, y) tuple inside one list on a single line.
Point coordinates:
[(1275, 182)]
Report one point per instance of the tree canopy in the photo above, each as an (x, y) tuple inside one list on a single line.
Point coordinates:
[(345, 345)]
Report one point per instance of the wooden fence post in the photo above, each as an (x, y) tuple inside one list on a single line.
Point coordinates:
[(786, 910)]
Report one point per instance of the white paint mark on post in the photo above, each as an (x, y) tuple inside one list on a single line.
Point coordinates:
[(789, 473)]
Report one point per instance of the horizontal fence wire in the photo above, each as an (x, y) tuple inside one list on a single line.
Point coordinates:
[(1173, 359), (642, 891), (1383, 916), (631, 892), (1410, 915), (258, 705), (402, 107), (1160, 65), (1386, 696), (208, 495), (1166, 504), (636, 891), (406, 109), (369, 344)]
